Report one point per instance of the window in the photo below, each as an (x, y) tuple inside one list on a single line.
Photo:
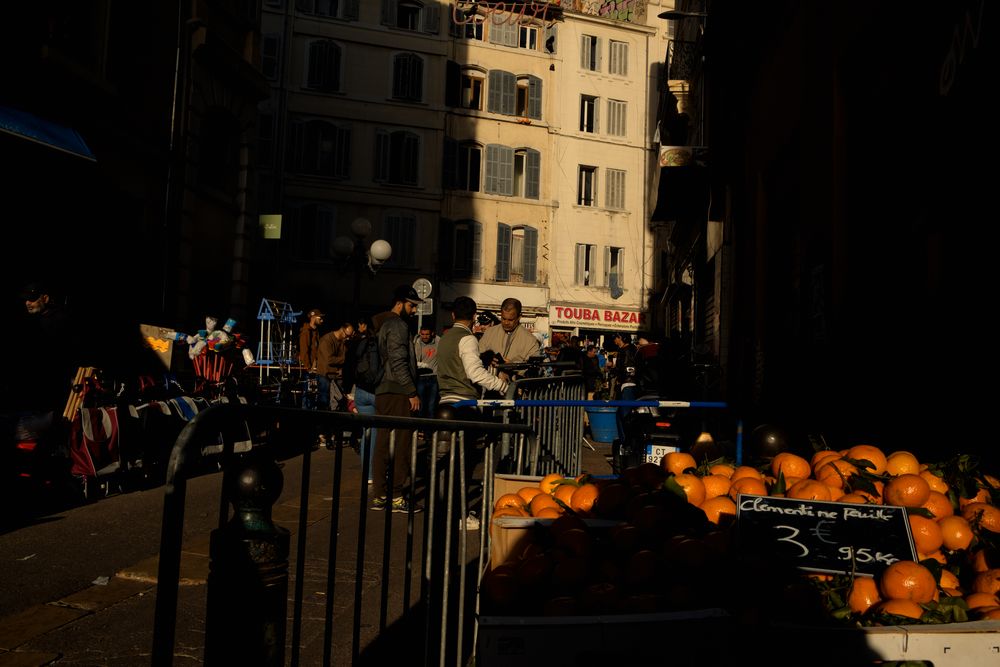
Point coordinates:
[(619, 58), (466, 24), (502, 30), (616, 117), (614, 268), (528, 37), (468, 249), (397, 157), (586, 258), (270, 53), (472, 90), (470, 165), (587, 188), (411, 15), (527, 173), (265, 139), (590, 53), (588, 113), (517, 254), (399, 229), (499, 170), (320, 148), (338, 9), (323, 71), (529, 97), (314, 226), (501, 92), (407, 77), (615, 196)]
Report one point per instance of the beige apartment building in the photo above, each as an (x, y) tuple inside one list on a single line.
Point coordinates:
[(501, 154)]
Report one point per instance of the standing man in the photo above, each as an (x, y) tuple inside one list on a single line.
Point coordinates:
[(510, 340), (309, 339), (395, 395), (425, 346), (330, 364)]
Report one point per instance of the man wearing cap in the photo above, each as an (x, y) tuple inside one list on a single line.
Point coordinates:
[(395, 395), (309, 357)]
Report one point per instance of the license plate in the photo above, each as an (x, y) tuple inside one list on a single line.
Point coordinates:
[(656, 452)]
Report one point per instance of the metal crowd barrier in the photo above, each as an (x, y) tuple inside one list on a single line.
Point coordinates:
[(248, 585)]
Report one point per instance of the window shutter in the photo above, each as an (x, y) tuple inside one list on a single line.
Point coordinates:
[(584, 52), (530, 261), (416, 77), (431, 15), (620, 273), (597, 115), (533, 172), (411, 158), (607, 266), (508, 87), (452, 84), (534, 97), (456, 29), (314, 70), (381, 156), (506, 182), (550, 39), (597, 54), (494, 96), (592, 263), (449, 164), (447, 255), (389, 12), (304, 5), (331, 64), (351, 11), (477, 249), (492, 185), (503, 252), (495, 31), (342, 167), (581, 264)]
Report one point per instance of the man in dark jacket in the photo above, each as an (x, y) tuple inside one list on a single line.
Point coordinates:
[(395, 395)]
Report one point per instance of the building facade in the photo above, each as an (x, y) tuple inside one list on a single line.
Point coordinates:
[(503, 150)]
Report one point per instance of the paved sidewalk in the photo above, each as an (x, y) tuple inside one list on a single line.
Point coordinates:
[(110, 623)]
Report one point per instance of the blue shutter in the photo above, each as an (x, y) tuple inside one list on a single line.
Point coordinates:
[(505, 183), (534, 97), (503, 252), (530, 259), (508, 87), (533, 172), (494, 92)]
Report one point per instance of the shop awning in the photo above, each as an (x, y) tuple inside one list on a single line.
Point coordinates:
[(32, 128)]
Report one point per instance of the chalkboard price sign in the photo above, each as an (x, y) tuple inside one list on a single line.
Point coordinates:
[(824, 536)]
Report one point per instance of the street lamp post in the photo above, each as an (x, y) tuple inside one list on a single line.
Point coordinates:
[(360, 258)]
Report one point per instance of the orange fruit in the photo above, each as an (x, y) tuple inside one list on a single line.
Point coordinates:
[(549, 482), (935, 482), (982, 496), (836, 493), (980, 600), (820, 454), (948, 580), (939, 505), (872, 496), (906, 490), (823, 460), (987, 582), (792, 465), (693, 487), (747, 486), (983, 558), (956, 533), (809, 489), (509, 500), (901, 607), (991, 481), (864, 593), (902, 463), (869, 453), (723, 469), (564, 492), (934, 555), (584, 497), (719, 510), (835, 472), (716, 485), (528, 492), (549, 513), (927, 537), (678, 462), (986, 515), (855, 498), (746, 471), (509, 511), (908, 580), (541, 501)]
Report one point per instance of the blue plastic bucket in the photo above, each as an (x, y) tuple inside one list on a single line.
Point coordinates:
[(603, 423)]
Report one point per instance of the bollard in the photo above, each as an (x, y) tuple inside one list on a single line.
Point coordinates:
[(248, 575)]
